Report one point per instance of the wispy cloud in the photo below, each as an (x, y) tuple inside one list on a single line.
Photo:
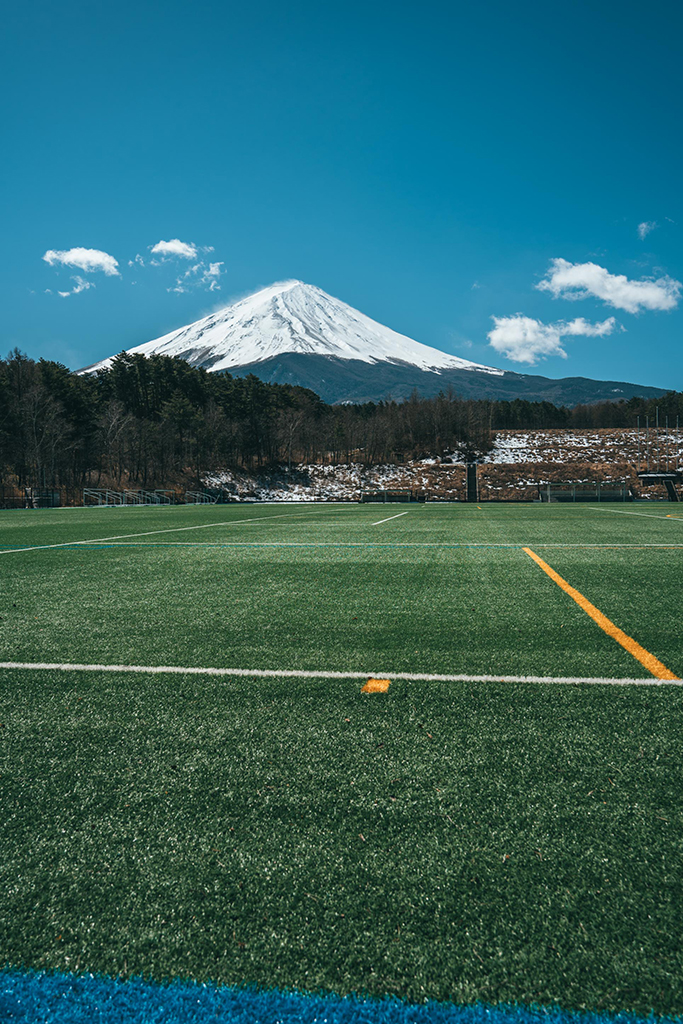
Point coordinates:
[(584, 280), (81, 286), (525, 340), (645, 227), (211, 275), (203, 274), (199, 276), (88, 260), (174, 247)]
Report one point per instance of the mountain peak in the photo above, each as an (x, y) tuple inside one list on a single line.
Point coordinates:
[(294, 317)]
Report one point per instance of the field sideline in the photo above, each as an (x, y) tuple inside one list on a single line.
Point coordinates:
[(193, 786)]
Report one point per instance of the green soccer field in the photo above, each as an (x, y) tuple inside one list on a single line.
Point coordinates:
[(454, 838), (442, 589)]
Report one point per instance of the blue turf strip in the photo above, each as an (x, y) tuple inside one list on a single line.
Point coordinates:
[(39, 998)]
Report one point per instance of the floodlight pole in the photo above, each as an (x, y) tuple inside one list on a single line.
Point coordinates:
[(667, 444), (638, 422)]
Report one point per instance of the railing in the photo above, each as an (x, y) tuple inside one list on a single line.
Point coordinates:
[(97, 496), (200, 498), (106, 497)]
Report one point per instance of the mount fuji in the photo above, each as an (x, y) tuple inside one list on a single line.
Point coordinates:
[(295, 333)]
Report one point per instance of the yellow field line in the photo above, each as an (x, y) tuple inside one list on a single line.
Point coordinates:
[(652, 664)]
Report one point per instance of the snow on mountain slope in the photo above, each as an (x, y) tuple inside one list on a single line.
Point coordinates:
[(294, 317)]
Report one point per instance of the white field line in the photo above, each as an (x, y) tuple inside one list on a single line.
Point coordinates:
[(445, 545), (366, 544), (623, 512), (380, 521), (150, 533), (265, 673)]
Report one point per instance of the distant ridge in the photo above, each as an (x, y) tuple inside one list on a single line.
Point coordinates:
[(351, 381), (295, 333)]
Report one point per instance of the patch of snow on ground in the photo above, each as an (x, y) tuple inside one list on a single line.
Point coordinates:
[(609, 445), (331, 483)]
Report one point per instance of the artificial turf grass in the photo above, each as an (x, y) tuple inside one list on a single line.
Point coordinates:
[(448, 841), (433, 609), (639, 590), (25, 528), (478, 611), (441, 523)]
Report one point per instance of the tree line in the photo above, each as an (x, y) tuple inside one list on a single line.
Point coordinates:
[(150, 422)]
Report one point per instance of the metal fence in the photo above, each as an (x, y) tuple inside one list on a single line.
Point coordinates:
[(93, 496)]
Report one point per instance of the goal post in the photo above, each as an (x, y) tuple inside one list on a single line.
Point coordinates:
[(389, 494), (581, 490)]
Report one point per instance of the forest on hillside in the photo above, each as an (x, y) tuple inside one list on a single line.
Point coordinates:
[(158, 421)]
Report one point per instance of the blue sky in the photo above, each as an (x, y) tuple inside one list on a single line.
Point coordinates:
[(424, 162)]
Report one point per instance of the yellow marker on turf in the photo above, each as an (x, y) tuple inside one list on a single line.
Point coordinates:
[(376, 686), (652, 664)]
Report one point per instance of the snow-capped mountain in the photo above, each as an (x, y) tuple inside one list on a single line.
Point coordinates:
[(295, 333), (293, 317)]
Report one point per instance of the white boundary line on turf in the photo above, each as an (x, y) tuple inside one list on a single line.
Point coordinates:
[(149, 533), (380, 521), (644, 515), (366, 544), (282, 673)]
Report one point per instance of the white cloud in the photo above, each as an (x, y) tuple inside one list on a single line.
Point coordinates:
[(81, 286), (581, 327), (581, 280), (210, 277), (88, 260), (174, 247), (525, 340), (199, 276), (138, 259), (645, 228)]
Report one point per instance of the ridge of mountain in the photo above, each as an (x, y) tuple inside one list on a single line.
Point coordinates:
[(294, 317), (295, 333), (348, 380)]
